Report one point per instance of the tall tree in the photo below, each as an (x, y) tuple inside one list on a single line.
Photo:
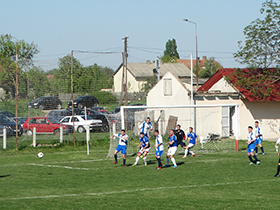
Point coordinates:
[(262, 39), (170, 54), (210, 68)]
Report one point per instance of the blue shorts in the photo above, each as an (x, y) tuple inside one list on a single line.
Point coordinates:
[(251, 148), (158, 153), (258, 141), (121, 148)]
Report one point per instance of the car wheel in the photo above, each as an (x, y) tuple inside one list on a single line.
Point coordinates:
[(80, 129), (19, 133), (56, 132), (29, 133), (80, 106), (105, 128), (59, 106), (41, 107)]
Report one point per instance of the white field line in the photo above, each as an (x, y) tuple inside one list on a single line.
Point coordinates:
[(57, 166), (138, 190)]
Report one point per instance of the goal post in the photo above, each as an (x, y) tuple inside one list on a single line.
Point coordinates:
[(197, 116)]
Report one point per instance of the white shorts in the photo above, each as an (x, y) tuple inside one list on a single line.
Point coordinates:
[(190, 145), (144, 150), (278, 141), (171, 150)]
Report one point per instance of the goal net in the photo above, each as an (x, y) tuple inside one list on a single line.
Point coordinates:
[(215, 125)]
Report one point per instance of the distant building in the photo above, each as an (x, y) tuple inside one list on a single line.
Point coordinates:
[(138, 72), (187, 62)]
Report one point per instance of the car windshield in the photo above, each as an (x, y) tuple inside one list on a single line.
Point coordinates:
[(52, 120), (38, 99), (4, 119), (79, 98), (88, 117)]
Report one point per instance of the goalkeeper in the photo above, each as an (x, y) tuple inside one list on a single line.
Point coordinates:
[(180, 134)]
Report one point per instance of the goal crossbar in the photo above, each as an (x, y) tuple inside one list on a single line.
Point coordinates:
[(185, 106)]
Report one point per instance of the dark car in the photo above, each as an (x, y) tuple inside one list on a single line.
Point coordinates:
[(46, 102), (84, 101), (21, 120), (8, 114), (97, 108), (9, 123), (59, 114), (9, 131)]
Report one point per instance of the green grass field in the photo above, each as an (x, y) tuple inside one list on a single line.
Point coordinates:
[(67, 178)]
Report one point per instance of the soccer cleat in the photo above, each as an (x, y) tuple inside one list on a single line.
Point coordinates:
[(184, 156), (161, 164), (258, 162), (257, 153), (193, 155), (123, 165), (263, 153), (115, 162), (165, 165), (158, 168), (174, 166), (134, 164), (251, 163), (276, 175)]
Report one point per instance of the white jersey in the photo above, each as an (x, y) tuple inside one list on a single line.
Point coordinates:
[(258, 131), (122, 140), (158, 141), (145, 127)]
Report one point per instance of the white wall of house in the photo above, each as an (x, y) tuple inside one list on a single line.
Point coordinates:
[(132, 84), (173, 93), (223, 86)]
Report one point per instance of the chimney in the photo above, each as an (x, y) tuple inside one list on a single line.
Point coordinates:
[(148, 62)]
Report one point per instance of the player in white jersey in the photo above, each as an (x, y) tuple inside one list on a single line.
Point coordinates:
[(159, 148), (259, 138), (251, 146), (145, 127), (123, 138)]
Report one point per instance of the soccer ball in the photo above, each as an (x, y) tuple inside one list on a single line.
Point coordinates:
[(40, 154)]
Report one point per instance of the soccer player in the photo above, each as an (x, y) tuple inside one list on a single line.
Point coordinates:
[(278, 167), (276, 144), (180, 134), (123, 138), (159, 148), (251, 146), (172, 149), (145, 147), (259, 137), (192, 137), (145, 127)]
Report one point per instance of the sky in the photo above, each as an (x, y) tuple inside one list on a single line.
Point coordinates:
[(60, 26)]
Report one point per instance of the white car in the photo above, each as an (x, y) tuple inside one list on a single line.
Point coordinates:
[(81, 121)]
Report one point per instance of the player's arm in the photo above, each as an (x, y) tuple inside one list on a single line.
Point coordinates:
[(114, 135), (151, 127), (139, 145), (170, 143), (140, 127), (125, 138), (196, 141)]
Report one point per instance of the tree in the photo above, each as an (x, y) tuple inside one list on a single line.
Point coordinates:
[(149, 83), (170, 54), (262, 39), (210, 68)]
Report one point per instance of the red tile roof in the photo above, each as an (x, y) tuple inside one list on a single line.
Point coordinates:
[(273, 96)]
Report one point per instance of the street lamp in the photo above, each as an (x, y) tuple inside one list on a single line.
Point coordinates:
[(196, 49), (16, 95)]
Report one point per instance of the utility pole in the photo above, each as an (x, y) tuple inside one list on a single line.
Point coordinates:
[(124, 74), (16, 98), (72, 97)]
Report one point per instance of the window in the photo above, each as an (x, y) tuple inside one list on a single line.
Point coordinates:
[(167, 87), (32, 121), (43, 121), (66, 119)]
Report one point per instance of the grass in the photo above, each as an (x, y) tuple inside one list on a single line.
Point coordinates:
[(67, 178)]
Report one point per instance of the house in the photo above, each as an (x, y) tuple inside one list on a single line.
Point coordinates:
[(187, 62), (221, 88), (138, 72)]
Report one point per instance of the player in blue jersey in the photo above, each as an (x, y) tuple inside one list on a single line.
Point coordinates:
[(259, 138), (251, 146), (172, 149), (192, 137), (145, 127), (159, 148), (145, 147), (123, 138)]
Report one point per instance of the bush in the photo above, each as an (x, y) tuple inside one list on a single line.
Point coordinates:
[(105, 97)]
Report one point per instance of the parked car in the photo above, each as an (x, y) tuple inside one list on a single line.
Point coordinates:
[(105, 112), (97, 108), (84, 101), (9, 123), (8, 114), (9, 131), (47, 102), (117, 110), (59, 114), (45, 125), (81, 121), (21, 120)]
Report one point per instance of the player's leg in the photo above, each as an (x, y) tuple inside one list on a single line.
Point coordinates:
[(250, 158), (145, 157), (167, 158), (158, 155), (186, 151), (124, 159), (115, 154), (257, 160), (173, 161), (260, 144), (278, 169), (276, 145), (256, 148)]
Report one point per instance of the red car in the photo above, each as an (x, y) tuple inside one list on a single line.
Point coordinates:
[(44, 125)]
